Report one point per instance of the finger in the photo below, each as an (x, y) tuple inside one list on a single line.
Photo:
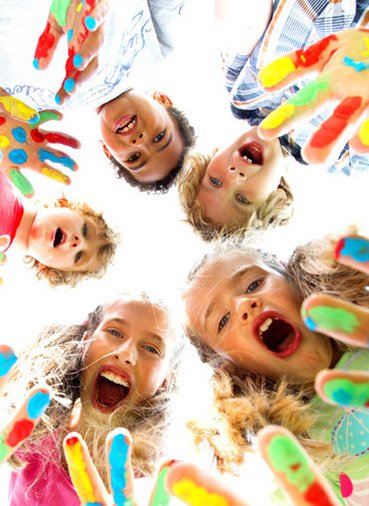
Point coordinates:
[(354, 252), (56, 156), (55, 138), (92, 21), (17, 109), (327, 141), (294, 470), (339, 319), (121, 476), (81, 58), (47, 115), (303, 105), (73, 79), (22, 425), (54, 174), (360, 140), (160, 494), (47, 43), (84, 476), (7, 360), (346, 389), (195, 486), (291, 67), (19, 181)]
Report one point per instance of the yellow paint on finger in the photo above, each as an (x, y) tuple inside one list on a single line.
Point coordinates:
[(4, 141), (77, 470), (276, 71), (278, 117), (55, 175), (79, 7), (364, 133), (18, 109), (194, 495), (365, 53)]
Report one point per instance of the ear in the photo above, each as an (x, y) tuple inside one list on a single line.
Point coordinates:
[(162, 98), (106, 150)]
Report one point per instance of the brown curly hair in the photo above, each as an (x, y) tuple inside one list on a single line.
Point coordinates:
[(276, 210), (109, 237)]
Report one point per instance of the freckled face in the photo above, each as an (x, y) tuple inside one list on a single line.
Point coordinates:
[(249, 314)]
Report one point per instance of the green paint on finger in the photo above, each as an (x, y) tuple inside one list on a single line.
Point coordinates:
[(334, 318), (161, 497), (345, 392), (45, 116), (21, 183), (60, 10), (310, 92), (4, 449), (286, 457)]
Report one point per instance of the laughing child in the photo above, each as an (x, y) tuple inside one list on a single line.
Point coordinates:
[(243, 313)]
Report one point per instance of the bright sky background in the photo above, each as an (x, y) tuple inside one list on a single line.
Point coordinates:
[(158, 247)]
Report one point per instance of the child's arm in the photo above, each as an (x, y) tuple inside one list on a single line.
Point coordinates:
[(27, 417), (24, 145), (342, 63), (82, 22)]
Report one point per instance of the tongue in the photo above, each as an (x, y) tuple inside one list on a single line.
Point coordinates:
[(110, 393)]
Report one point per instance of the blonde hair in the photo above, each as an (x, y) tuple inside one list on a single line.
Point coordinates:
[(246, 402), (105, 253), (276, 210), (56, 359)]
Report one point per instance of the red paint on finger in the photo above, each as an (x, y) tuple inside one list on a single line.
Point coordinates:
[(62, 139), (317, 496), (337, 250), (37, 136), (311, 55), (2, 120), (20, 431), (71, 441), (334, 126), (45, 43)]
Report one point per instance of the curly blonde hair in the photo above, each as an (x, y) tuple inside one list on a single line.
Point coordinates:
[(276, 210), (105, 253), (246, 402)]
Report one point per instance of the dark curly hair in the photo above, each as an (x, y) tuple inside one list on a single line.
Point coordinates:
[(187, 133)]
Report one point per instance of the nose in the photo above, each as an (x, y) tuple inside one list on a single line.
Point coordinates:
[(75, 241), (137, 138), (127, 353), (247, 307), (234, 172)]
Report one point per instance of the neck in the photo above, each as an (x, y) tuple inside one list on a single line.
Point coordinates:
[(22, 236)]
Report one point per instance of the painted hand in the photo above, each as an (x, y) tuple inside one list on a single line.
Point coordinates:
[(24, 145), (82, 22), (345, 322), (342, 61), (27, 417)]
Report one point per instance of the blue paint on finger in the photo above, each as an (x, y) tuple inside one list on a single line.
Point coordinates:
[(57, 99), (7, 360), (90, 23), (19, 134), (69, 84), (37, 404), (117, 459), (36, 64), (69, 35), (64, 160), (18, 156), (77, 60), (356, 248)]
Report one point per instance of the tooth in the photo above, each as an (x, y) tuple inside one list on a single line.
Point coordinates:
[(114, 378), (265, 325)]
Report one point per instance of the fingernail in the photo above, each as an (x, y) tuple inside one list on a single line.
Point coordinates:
[(354, 247), (345, 392), (38, 404), (36, 64), (34, 119), (7, 360), (90, 23), (69, 84), (77, 60), (57, 99)]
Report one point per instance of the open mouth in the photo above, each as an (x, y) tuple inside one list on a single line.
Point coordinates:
[(277, 334), (110, 390), (127, 126), (59, 237), (252, 153)]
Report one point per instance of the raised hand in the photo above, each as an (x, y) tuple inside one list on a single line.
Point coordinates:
[(342, 61), (24, 145), (27, 417), (82, 22)]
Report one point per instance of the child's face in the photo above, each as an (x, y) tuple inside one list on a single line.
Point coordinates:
[(244, 173), (64, 239), (249, 313), (140, 134), (127, 357)]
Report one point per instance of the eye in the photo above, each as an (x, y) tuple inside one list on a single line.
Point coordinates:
[(84, 230), (223, 322), (159, 137), (133, 158), (215, 182), (114, 332), (78, 257), (151, 349), (253, 286), (241, 199)]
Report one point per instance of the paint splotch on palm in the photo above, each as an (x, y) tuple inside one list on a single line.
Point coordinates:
[(344, 392), (356, 248)]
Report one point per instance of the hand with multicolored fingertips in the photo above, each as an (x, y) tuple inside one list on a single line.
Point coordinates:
[(27, 416), (82, 22), (342, 62), (25, 145)]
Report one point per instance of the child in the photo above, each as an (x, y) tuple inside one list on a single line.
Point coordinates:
[(63, 245), (243, 310), (147, 137), (122, 364)]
